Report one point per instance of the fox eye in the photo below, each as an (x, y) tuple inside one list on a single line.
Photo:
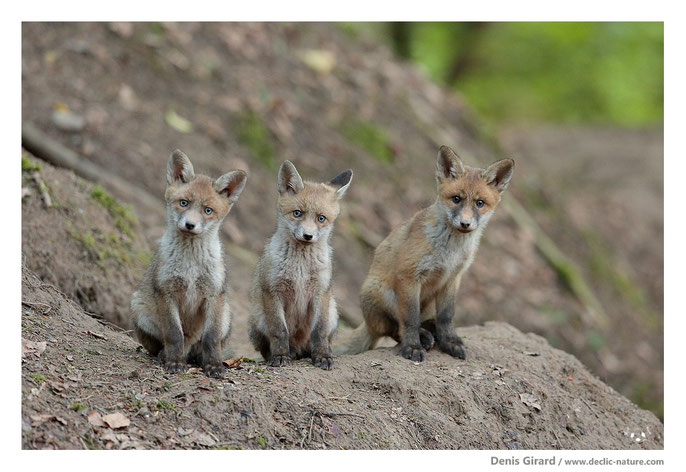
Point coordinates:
[(456, 199), (321, 218), (297, 213), (183, 203), (480, 203), (208, 210)]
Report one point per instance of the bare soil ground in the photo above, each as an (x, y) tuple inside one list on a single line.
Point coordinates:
[(90, 386), (248, 96)]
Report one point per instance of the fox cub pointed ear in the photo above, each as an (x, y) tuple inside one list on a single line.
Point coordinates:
[(499, 174), (289, 180), (448, 165), (179, 168), (231, 184), (342, 182)]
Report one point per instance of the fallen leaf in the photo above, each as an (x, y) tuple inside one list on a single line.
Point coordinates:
[(32, 347), (116, 420), (201, 438), (319, 60), (332, 428), (530, 400), (95, 419), (234, 362), (179, 123), (40, 419)]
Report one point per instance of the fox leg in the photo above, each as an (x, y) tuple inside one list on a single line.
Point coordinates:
[(319, 337), (409, 319), (172, 337), (447, 339), (275, 317), (213, 310), (427, 329)]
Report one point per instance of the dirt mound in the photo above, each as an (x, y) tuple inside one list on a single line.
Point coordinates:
[(513, 392), (76, 237)]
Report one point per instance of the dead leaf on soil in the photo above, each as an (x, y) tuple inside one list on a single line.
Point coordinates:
[(32, 347), (332, 428), (319, 60), (179, 123), (95, 419), (116, 420), (201, 438), (530, 400), (234, 362), (40, 419)]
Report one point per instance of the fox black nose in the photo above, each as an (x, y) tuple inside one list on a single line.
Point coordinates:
[(308, 237), (465, 225), (190, 225)]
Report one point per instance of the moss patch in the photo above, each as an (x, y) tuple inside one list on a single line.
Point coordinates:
[(255, 136), (27, 165), (370, 137), (123, 218), (110, 246)]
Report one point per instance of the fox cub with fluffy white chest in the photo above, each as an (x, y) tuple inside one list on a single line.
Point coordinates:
[(293, 312), (410, 291), (180, 309)]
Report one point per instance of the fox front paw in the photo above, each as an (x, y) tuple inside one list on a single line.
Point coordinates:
[(414, 353), (323, 362), (175, 367), (453, 346), (214, 370), (280, 361)]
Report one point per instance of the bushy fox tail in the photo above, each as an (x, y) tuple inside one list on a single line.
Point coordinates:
[(361, 340)]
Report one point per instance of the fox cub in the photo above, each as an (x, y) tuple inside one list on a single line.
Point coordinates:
[(409, 293), (180, 309), (293, 312)]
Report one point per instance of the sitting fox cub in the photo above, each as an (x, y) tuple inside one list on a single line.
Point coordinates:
[(409, 293), (180, 309), (293, 312)]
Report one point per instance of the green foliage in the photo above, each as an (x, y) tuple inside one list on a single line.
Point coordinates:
[(254, 135), (38, 378), (370, 137), (166, 405), (600, 72), (27, 165)]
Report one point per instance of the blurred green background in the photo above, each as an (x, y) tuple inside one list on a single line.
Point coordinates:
[(601, 73)]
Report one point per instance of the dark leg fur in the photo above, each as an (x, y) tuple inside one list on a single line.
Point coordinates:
[(173, 349), (447, 339), (426, 338), (149, 342)]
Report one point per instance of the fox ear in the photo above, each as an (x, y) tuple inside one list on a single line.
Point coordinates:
[(342, 181), (449, 165), (179, 168), (289, 180), (231, 184), (499, 174)]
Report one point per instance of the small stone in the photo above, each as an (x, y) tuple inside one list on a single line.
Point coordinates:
[(68, 121)]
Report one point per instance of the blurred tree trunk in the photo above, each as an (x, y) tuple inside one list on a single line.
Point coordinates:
[(401, 31), (466, 58)]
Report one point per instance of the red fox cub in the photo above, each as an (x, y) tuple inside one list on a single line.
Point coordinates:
[(180, 309), (293, 312), (409, 293)]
